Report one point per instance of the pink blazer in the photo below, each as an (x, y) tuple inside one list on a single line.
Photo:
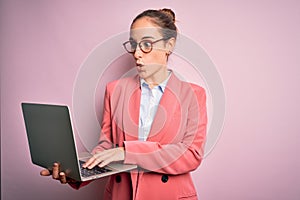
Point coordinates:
[(175, 145)]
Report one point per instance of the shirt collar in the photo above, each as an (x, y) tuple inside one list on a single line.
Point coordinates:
[(161, 86)]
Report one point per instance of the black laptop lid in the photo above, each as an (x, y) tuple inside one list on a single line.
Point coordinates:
[(50, 137)]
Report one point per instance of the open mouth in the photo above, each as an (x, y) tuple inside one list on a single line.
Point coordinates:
[(139, 64), (140, 67)]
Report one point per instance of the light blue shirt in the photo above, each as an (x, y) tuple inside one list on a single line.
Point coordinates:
[(150, 99)]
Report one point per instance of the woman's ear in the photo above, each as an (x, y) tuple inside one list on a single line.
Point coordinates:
[(170, 45)]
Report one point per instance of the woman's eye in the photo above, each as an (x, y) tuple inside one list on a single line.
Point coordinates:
[(146, 44), (133, 45)]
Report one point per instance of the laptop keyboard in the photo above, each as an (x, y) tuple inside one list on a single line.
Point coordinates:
[(85, 172)]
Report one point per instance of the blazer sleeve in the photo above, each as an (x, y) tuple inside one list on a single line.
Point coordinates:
[(105, 140), (175, 158)]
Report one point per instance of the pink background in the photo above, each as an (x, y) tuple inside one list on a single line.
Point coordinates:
[(254, 44)]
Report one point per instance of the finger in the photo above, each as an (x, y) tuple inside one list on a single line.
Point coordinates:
[(105, 162), (116, 154), (45, 172), (55, 172), (62, 178), (99, 157), (105, 159), (93, 164), (87, 163), (93, 161)]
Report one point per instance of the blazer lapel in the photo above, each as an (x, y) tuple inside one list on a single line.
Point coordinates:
[(131, 110), (166, 109)]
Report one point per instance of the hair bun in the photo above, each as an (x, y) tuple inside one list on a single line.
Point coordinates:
[(169, 13)]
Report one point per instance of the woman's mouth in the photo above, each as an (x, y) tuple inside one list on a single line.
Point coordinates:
[(139, 66), (139, 63)]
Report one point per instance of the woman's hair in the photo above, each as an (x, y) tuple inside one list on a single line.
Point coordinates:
[(164, 18)]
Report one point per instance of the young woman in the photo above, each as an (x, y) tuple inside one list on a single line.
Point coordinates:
[(153, 120)]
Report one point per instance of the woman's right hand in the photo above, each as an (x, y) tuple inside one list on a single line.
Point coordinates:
[(57, 174)]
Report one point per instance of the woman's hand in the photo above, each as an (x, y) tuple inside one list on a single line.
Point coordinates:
[(105, 157), (57, 174)]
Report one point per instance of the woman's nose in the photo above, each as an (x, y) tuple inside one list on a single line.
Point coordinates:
[(138, 53)]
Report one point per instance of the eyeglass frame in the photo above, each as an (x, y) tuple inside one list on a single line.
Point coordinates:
[(140, 46)]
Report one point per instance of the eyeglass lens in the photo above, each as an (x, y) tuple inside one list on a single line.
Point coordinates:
[(144, 45)]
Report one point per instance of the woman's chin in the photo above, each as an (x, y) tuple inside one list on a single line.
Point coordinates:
[(142, 74)]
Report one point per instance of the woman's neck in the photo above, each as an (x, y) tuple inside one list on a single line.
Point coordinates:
[(156, 80)]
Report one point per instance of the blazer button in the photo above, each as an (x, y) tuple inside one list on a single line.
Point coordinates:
[(118, 178), (164, 178)]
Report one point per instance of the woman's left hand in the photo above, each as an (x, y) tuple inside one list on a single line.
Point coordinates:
[(105, 157)]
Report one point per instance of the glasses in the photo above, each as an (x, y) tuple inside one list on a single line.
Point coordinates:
[(145, 46)]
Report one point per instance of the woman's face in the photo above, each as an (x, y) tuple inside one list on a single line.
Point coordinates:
[(151, 66)]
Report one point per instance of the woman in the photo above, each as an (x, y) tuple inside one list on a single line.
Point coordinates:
[(153, 120)]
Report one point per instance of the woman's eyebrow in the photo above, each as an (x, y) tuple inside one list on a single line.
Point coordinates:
[(143, 38), (147, 37)]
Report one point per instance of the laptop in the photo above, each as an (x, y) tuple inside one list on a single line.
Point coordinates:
[(51, 139)]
